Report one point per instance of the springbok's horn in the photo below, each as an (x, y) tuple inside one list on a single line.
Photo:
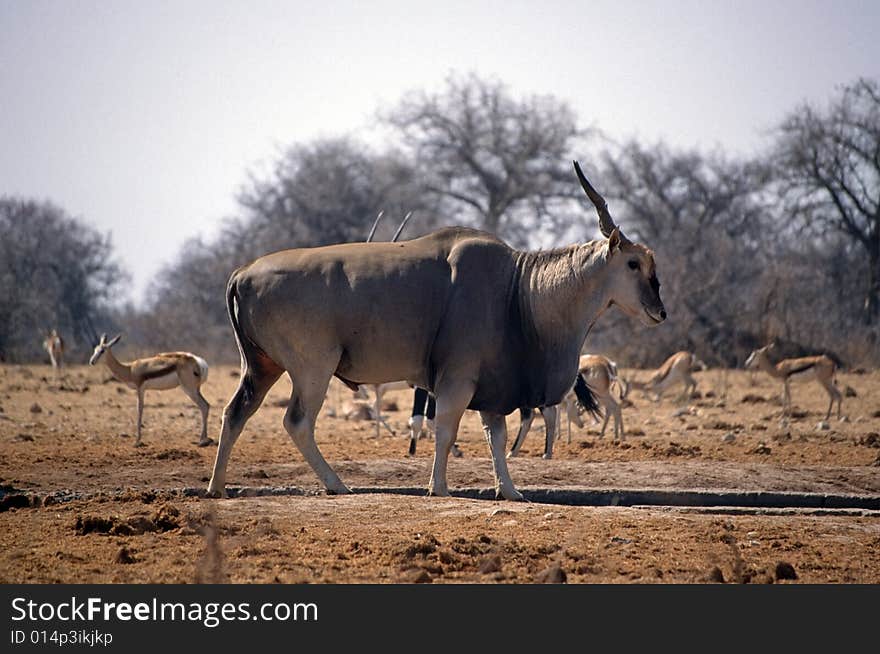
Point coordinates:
[(402, 225), (606, 223), (375, 224)]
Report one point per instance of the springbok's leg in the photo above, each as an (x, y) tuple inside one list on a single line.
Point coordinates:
[(495, 427), (618, 421), (605, 424), (256, 380), (195, 394), (568, 420), (452, 400), (786, 399), (833, 394), (550, 413), (377, 407), (525, 424), (839, 402), (140, 415)]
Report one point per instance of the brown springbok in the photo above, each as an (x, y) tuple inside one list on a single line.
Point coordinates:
[(600, 374), (160, 372), (676, 369), (457, 312), (54, 345), (821, 368)]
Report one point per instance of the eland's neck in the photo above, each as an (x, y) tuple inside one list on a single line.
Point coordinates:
[(562, 293)]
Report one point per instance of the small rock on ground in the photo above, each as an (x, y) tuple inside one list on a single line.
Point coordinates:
[(552, 575), (785, 570)]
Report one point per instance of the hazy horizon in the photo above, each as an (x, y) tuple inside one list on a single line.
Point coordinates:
[(144, 118)]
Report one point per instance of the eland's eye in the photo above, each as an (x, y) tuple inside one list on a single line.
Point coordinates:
[(633, 264)]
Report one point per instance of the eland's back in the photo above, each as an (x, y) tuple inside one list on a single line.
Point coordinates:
[(380, 307)]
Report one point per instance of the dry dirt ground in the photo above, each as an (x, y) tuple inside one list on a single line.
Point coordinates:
[(81, 504)]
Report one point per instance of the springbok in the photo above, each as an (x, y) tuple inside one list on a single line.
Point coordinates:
[(379, 391), (54, 345), (600, 374), (443, 312), (596, 373), (161, 372), (676, 369), (821, 368)]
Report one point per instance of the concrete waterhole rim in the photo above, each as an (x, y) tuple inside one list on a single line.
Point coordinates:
[(733, 502)]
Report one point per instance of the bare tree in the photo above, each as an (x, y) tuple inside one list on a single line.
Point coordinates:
[(55, 271), (501, 163), (828, 167), (324, 192)]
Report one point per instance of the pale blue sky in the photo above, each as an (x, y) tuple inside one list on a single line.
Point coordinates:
[(143, 117)]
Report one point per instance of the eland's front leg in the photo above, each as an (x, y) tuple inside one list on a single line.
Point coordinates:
[(551, 424), (451, 404), (495, 426)]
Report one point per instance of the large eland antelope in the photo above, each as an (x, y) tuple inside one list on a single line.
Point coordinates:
[(457, 312), (160, 372), (821, 368)]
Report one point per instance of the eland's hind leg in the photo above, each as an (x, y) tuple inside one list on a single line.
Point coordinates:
[(256, 380), (309, 389), (550, 413), (525, 424), (495, 427)]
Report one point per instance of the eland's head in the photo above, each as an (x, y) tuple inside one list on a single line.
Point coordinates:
[(102, 346), (635, 287)]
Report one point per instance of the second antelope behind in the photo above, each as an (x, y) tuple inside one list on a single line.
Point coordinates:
[(161, 372), (821, 368)]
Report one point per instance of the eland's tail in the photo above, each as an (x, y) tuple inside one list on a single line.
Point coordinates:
[(586, 398)]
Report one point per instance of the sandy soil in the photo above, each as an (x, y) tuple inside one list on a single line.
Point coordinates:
[(117, 514)]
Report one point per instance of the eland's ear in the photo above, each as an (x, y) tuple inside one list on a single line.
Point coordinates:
[(114, 340), (614, 241)]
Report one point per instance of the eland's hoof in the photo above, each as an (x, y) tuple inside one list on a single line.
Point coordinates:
[(339, 490), (216, 494), (510, 494), (206, 442)]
